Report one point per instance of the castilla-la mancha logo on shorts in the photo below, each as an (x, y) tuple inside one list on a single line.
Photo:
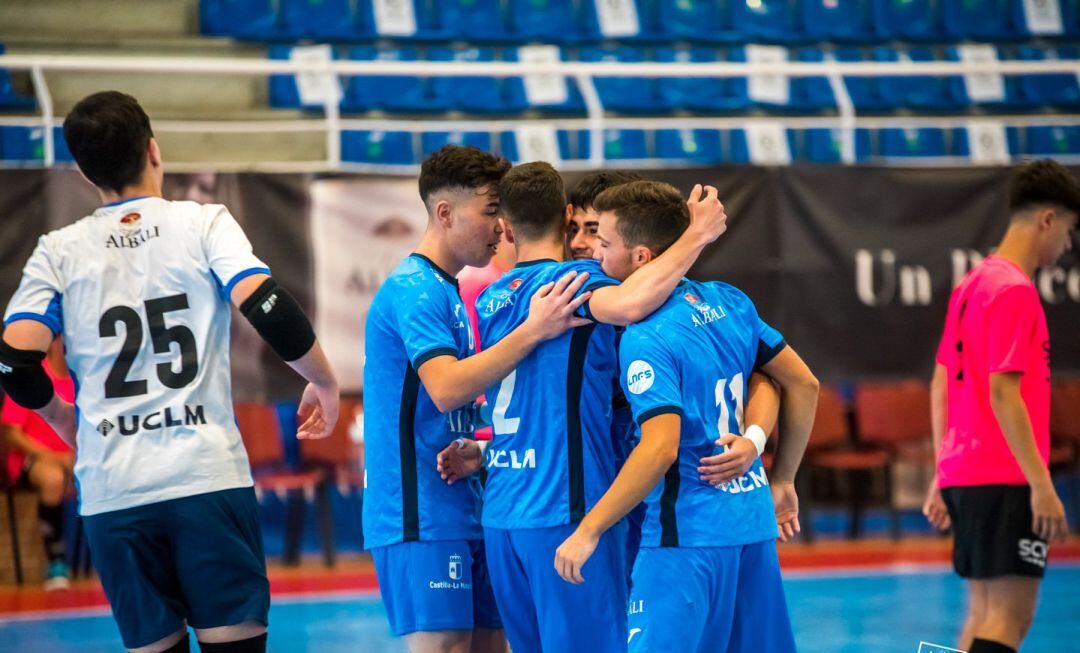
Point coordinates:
[(455, 568)]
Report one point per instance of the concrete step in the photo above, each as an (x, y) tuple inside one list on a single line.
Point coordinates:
[(104, 17), (249, 149)]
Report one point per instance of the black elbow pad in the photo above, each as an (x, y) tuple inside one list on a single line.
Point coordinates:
[(23, 379), (279, 320)]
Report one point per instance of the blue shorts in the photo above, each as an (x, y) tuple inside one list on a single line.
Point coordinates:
[(435, 586), (545, 613), (196, 559), (715, 600)]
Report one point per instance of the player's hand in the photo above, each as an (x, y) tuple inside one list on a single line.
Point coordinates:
[(708, 221), (786, 503), (1048, 513), (462, 458), (733, 463), (934, 507), (318, 412), (553, 309), (573, 553)]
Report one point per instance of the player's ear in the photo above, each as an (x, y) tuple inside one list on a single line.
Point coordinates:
[(153, 154), (569, 213), (508, 233), (641, 255), (443, 213), (1044, 218)]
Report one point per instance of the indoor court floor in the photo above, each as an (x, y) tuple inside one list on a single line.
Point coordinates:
[(844, 597)]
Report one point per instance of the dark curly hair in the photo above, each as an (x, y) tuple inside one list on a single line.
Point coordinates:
[(1044, 182), (588, 187), (456, 166), (107, 134), (650, 213)]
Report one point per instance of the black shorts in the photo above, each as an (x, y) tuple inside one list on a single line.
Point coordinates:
[(992, 533)]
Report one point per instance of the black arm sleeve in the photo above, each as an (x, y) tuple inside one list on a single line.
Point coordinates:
[(279, 320), (23, 379)]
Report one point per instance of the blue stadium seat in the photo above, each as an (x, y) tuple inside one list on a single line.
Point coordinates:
[(552, 21), (697, 145), (695, 20), (405, 94), (625, 94), (1053, 141), (22, 144), (515, 88), (962, 147), (773, 21), (619, 144), (824, 145), (900, 143), (568, 143), (958, 91), (431, 141), (1058, 90), (704, 94), (242, 19), (377, 147), (739, 150), (1070, 16), (838, 20), (473, 20), (981, 20), (486, 95), (284, 93), (918, 91), (909, 20), (865, 92), (327, 20), (9, 99), (811, 93)]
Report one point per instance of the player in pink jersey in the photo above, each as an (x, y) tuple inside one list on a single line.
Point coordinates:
[(991, 416)]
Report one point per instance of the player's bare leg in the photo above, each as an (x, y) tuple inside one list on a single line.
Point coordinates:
[(163, 644), (976, 613), (486, 640), (448, 641), (1010, 608), (234, 633)]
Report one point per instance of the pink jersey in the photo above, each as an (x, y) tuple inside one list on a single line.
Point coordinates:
[(471, 282), (995, 324)]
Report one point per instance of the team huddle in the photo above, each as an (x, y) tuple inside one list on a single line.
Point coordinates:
[(541, 548), (622, 502)]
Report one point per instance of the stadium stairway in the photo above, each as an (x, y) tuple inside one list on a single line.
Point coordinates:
[(156, 28)]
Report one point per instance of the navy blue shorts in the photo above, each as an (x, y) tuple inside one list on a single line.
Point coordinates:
[(195, 560), (543, 612), (436, 586), (709, 600)]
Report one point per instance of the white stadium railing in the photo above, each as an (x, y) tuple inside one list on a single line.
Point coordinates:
[(595, 122)]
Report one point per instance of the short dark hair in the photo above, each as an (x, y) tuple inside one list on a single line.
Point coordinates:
[(107, 134), (650, 213), (533, 200), (588, 187), (1043, 182), (457, 166)]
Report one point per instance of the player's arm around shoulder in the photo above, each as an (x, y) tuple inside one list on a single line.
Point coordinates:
[(281, 322), (649, 286)]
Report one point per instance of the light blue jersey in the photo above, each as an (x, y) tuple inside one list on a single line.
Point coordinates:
[(416, 315), (551, 457), (693, 357)]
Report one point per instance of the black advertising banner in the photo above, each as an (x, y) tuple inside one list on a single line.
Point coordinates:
[(854, 265)]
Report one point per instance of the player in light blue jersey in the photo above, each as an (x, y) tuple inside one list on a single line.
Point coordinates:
[(710, 524), (421, 378), (552, 456)]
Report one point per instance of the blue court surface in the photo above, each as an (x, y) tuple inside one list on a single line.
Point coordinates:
[(833, 612)]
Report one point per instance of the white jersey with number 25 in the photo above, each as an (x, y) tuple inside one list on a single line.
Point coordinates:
[(140, 292)]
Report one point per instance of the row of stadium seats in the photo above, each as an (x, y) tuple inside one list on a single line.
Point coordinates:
[(698, 146), (576, 21), (711, 146), (490, 95)]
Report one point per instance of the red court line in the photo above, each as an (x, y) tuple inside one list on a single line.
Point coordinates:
[(358, 574)]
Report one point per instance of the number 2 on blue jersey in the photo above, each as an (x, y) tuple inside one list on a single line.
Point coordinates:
[(500, 423)]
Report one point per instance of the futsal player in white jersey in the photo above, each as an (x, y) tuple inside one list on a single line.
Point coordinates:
[(140, 291)]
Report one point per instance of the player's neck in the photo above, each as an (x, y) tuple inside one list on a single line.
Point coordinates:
[(145, 188), (535, 251), (439, 253), (1018, 246)]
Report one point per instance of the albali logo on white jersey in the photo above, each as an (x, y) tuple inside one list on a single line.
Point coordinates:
[(166, 419)]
